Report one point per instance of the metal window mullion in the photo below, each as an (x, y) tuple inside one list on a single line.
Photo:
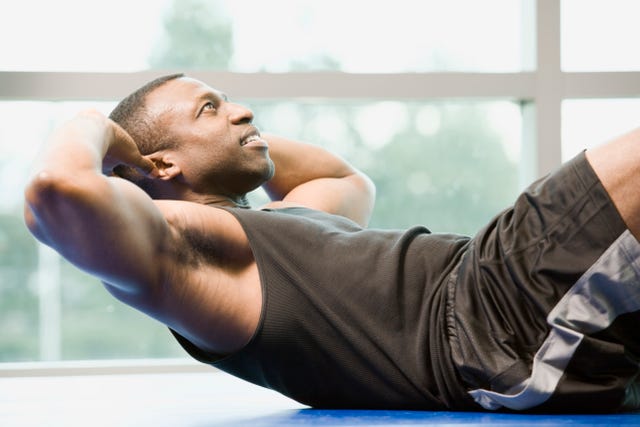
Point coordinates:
[(322, 85), (601, 85), (549, 87)]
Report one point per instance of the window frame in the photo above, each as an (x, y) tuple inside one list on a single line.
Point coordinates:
[(541, 91)]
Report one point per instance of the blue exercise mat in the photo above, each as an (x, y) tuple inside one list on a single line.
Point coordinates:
[(319, 417)]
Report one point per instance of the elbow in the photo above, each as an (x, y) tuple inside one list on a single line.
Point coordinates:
[(38, 191), (363, 200), (42, 195), (41, 188), (371, 198), (367, 188), (370, 189)]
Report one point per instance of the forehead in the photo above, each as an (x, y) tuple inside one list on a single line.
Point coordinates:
[(179, 94)]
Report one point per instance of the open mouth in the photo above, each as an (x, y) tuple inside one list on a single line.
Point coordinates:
[(250, 139)]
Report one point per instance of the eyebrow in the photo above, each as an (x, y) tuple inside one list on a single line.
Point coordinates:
[(212, 94), (208, 96)]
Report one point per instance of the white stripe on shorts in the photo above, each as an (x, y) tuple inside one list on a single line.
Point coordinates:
[(609, 288)]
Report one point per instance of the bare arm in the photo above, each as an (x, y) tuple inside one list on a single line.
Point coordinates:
[(311, 176), (104, 225)]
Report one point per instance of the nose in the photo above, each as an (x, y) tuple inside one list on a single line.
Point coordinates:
[(240, 114)]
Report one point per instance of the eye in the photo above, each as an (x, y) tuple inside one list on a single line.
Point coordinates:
[(209, 106)]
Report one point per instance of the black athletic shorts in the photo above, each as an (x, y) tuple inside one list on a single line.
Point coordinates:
[(543, 312)]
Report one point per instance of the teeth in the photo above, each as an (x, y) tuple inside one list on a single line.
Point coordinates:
[(251, 138)]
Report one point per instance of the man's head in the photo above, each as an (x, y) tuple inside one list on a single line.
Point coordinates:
[(204, 145)]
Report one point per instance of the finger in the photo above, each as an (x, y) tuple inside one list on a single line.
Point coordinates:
[(148, 168)]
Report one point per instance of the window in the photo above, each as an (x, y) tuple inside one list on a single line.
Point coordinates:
[(273, 36), (589, 122), (444, 104), (600, 35)]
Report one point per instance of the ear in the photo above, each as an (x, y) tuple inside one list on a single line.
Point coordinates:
[(165, 162)]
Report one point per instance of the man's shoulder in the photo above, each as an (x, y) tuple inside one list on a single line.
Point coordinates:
[(281, 204)]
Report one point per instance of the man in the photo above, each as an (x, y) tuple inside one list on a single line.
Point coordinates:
[(536, 312)]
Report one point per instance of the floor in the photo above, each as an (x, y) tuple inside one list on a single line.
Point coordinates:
[(216, 399)]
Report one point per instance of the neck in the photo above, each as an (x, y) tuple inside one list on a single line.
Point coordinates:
[(216, 200), (181, 193)]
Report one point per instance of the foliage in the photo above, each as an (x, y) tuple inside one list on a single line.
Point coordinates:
[(453, 181), (197, 35)]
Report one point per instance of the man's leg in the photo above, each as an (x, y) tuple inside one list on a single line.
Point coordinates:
[(546, 307), (617, 164)]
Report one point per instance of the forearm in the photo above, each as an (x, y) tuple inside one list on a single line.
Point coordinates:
[(310, 176), (77, 147), (297, 163)]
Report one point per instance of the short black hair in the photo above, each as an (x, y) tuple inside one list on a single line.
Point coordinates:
[(132, 115)]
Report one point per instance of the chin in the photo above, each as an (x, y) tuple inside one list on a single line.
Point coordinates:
[(261, 176), (271, 171)]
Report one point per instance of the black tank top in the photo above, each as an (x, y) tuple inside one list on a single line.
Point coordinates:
[(351, 317)]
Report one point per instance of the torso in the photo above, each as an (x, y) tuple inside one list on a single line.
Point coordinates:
[(342, 305)]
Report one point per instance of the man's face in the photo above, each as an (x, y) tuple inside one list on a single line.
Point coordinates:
[(218, 150)]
